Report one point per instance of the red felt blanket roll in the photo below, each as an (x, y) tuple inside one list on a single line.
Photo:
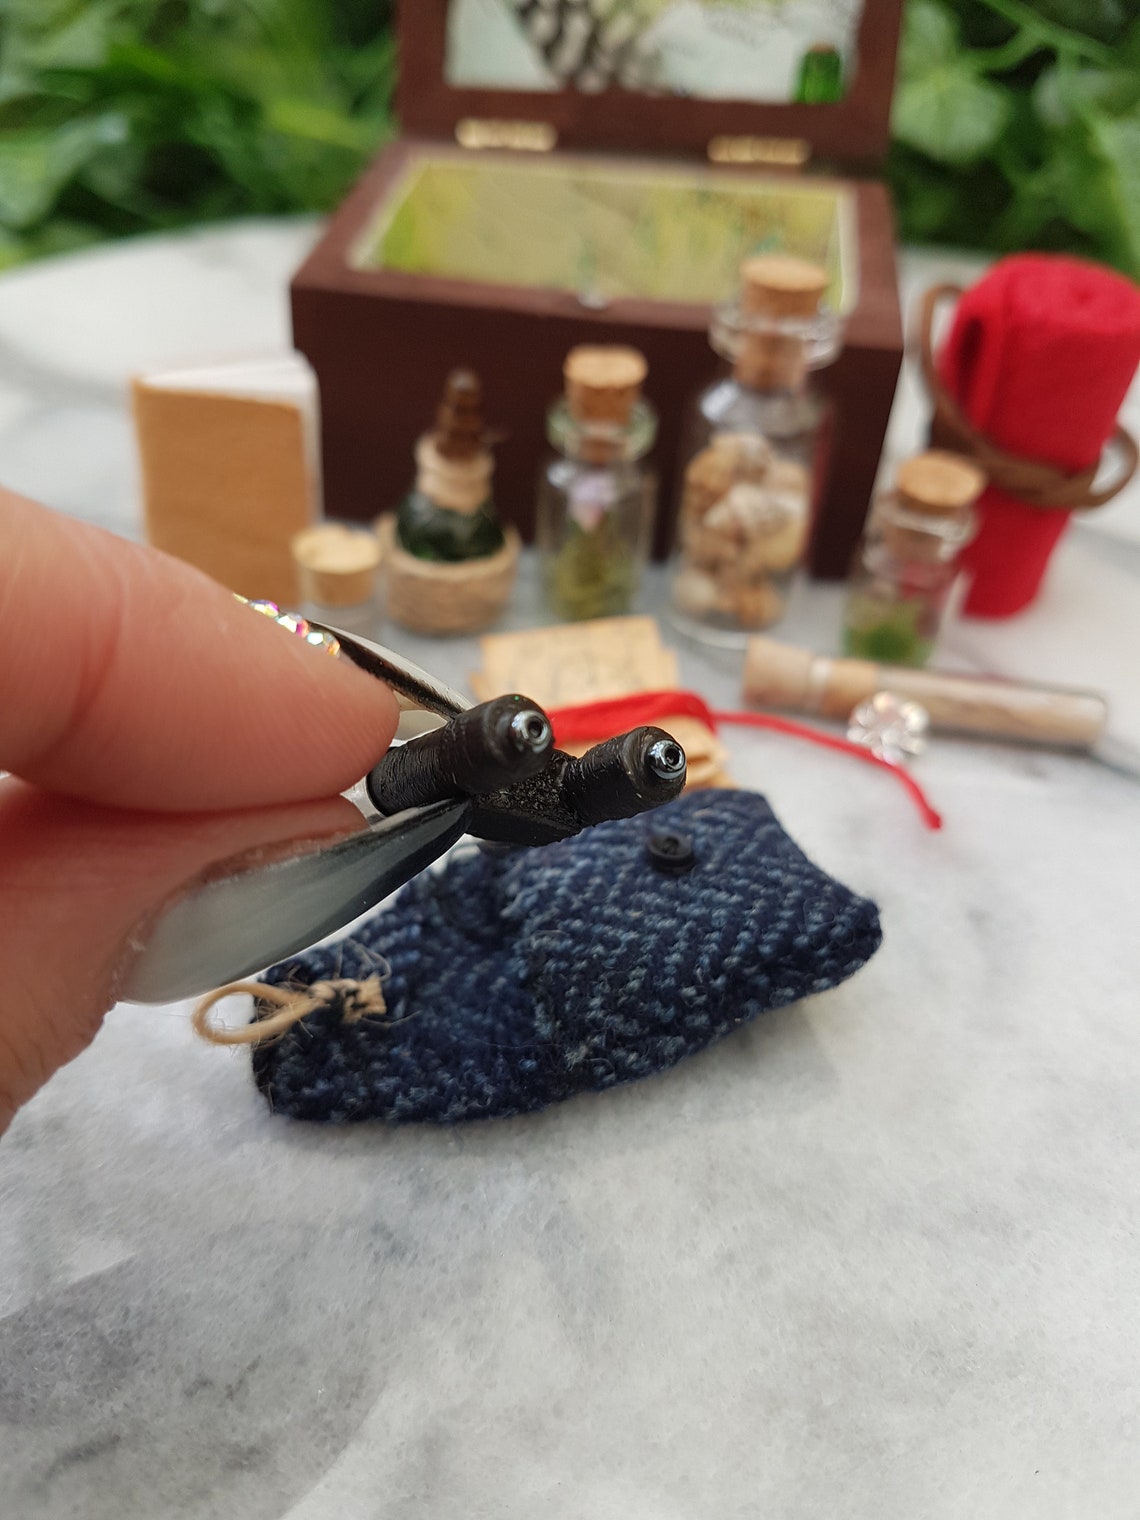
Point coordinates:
[(1039, 357)]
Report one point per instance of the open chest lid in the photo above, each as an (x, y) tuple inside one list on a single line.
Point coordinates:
[(735, 81)]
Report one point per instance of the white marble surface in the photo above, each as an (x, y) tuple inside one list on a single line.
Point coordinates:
[(874, 1258)]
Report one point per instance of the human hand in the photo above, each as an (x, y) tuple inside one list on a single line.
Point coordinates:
[(153, 726)]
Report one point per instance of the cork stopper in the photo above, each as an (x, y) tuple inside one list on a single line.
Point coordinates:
[(784, 675), (776, 674), (453, 463), (781, 288), (459, 430), (939, 483), (460, 484), (336, 564), (603, 382)]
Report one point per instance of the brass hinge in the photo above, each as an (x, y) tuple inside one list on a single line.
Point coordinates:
[(527, 136), (791, 152)]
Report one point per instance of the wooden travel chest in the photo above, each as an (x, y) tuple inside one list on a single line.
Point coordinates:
[(551, 195)]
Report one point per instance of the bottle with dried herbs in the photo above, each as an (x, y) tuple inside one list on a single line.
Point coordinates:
[(908, 559), (754, 454), (449, 514), (596, 499)]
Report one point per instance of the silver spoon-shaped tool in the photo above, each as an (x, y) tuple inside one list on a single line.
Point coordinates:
[(234, 925), (237, 923)]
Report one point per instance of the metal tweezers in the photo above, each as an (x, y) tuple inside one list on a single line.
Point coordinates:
[(489, 770)]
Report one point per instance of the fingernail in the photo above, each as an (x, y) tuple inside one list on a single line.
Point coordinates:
[(294, 623), (159, 944)]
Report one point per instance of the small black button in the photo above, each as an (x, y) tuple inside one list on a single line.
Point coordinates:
[(671, 852)]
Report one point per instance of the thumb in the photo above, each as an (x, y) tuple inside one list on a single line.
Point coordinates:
[(130, 679), (77, 880)]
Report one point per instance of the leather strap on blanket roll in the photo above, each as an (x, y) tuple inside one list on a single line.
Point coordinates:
[(1031, 480)]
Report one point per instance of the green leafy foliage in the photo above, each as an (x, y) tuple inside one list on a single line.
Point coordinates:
[(1017, 125), (942, 106), (120, 116)]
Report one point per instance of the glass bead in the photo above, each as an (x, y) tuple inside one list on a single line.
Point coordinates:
[(891, 727)]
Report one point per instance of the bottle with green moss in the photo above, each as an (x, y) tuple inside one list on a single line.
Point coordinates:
[(597, 498), (908, 560), (449, 514)]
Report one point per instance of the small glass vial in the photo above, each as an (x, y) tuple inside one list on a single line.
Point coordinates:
[(336, 566), (908, 559), (596, 500), (754, 455)]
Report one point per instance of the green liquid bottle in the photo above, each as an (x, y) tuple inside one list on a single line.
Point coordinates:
[(449, 515)]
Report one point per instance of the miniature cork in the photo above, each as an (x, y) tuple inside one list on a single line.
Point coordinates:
[(603, 385), (939, 483), (454, 465), (937, 486), (780, 288), (603, 382), (336, 565)]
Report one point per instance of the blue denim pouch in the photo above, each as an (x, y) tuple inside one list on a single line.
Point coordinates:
[(517, 980)]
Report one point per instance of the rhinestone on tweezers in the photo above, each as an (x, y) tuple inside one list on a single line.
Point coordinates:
[(293, 622)]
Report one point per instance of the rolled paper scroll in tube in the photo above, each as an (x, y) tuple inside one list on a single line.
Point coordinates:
[(1038, 361), (782, 675)]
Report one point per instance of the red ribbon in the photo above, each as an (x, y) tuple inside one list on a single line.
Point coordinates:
[(591, 721)]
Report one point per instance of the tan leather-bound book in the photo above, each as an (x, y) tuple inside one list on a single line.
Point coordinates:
[(230, 468)]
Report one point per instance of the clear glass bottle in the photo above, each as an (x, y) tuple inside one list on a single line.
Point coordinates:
[(596, 499), (754, 455), (908, 559)]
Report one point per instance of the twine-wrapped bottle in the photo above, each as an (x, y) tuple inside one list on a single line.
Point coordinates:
[(450, 563)]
